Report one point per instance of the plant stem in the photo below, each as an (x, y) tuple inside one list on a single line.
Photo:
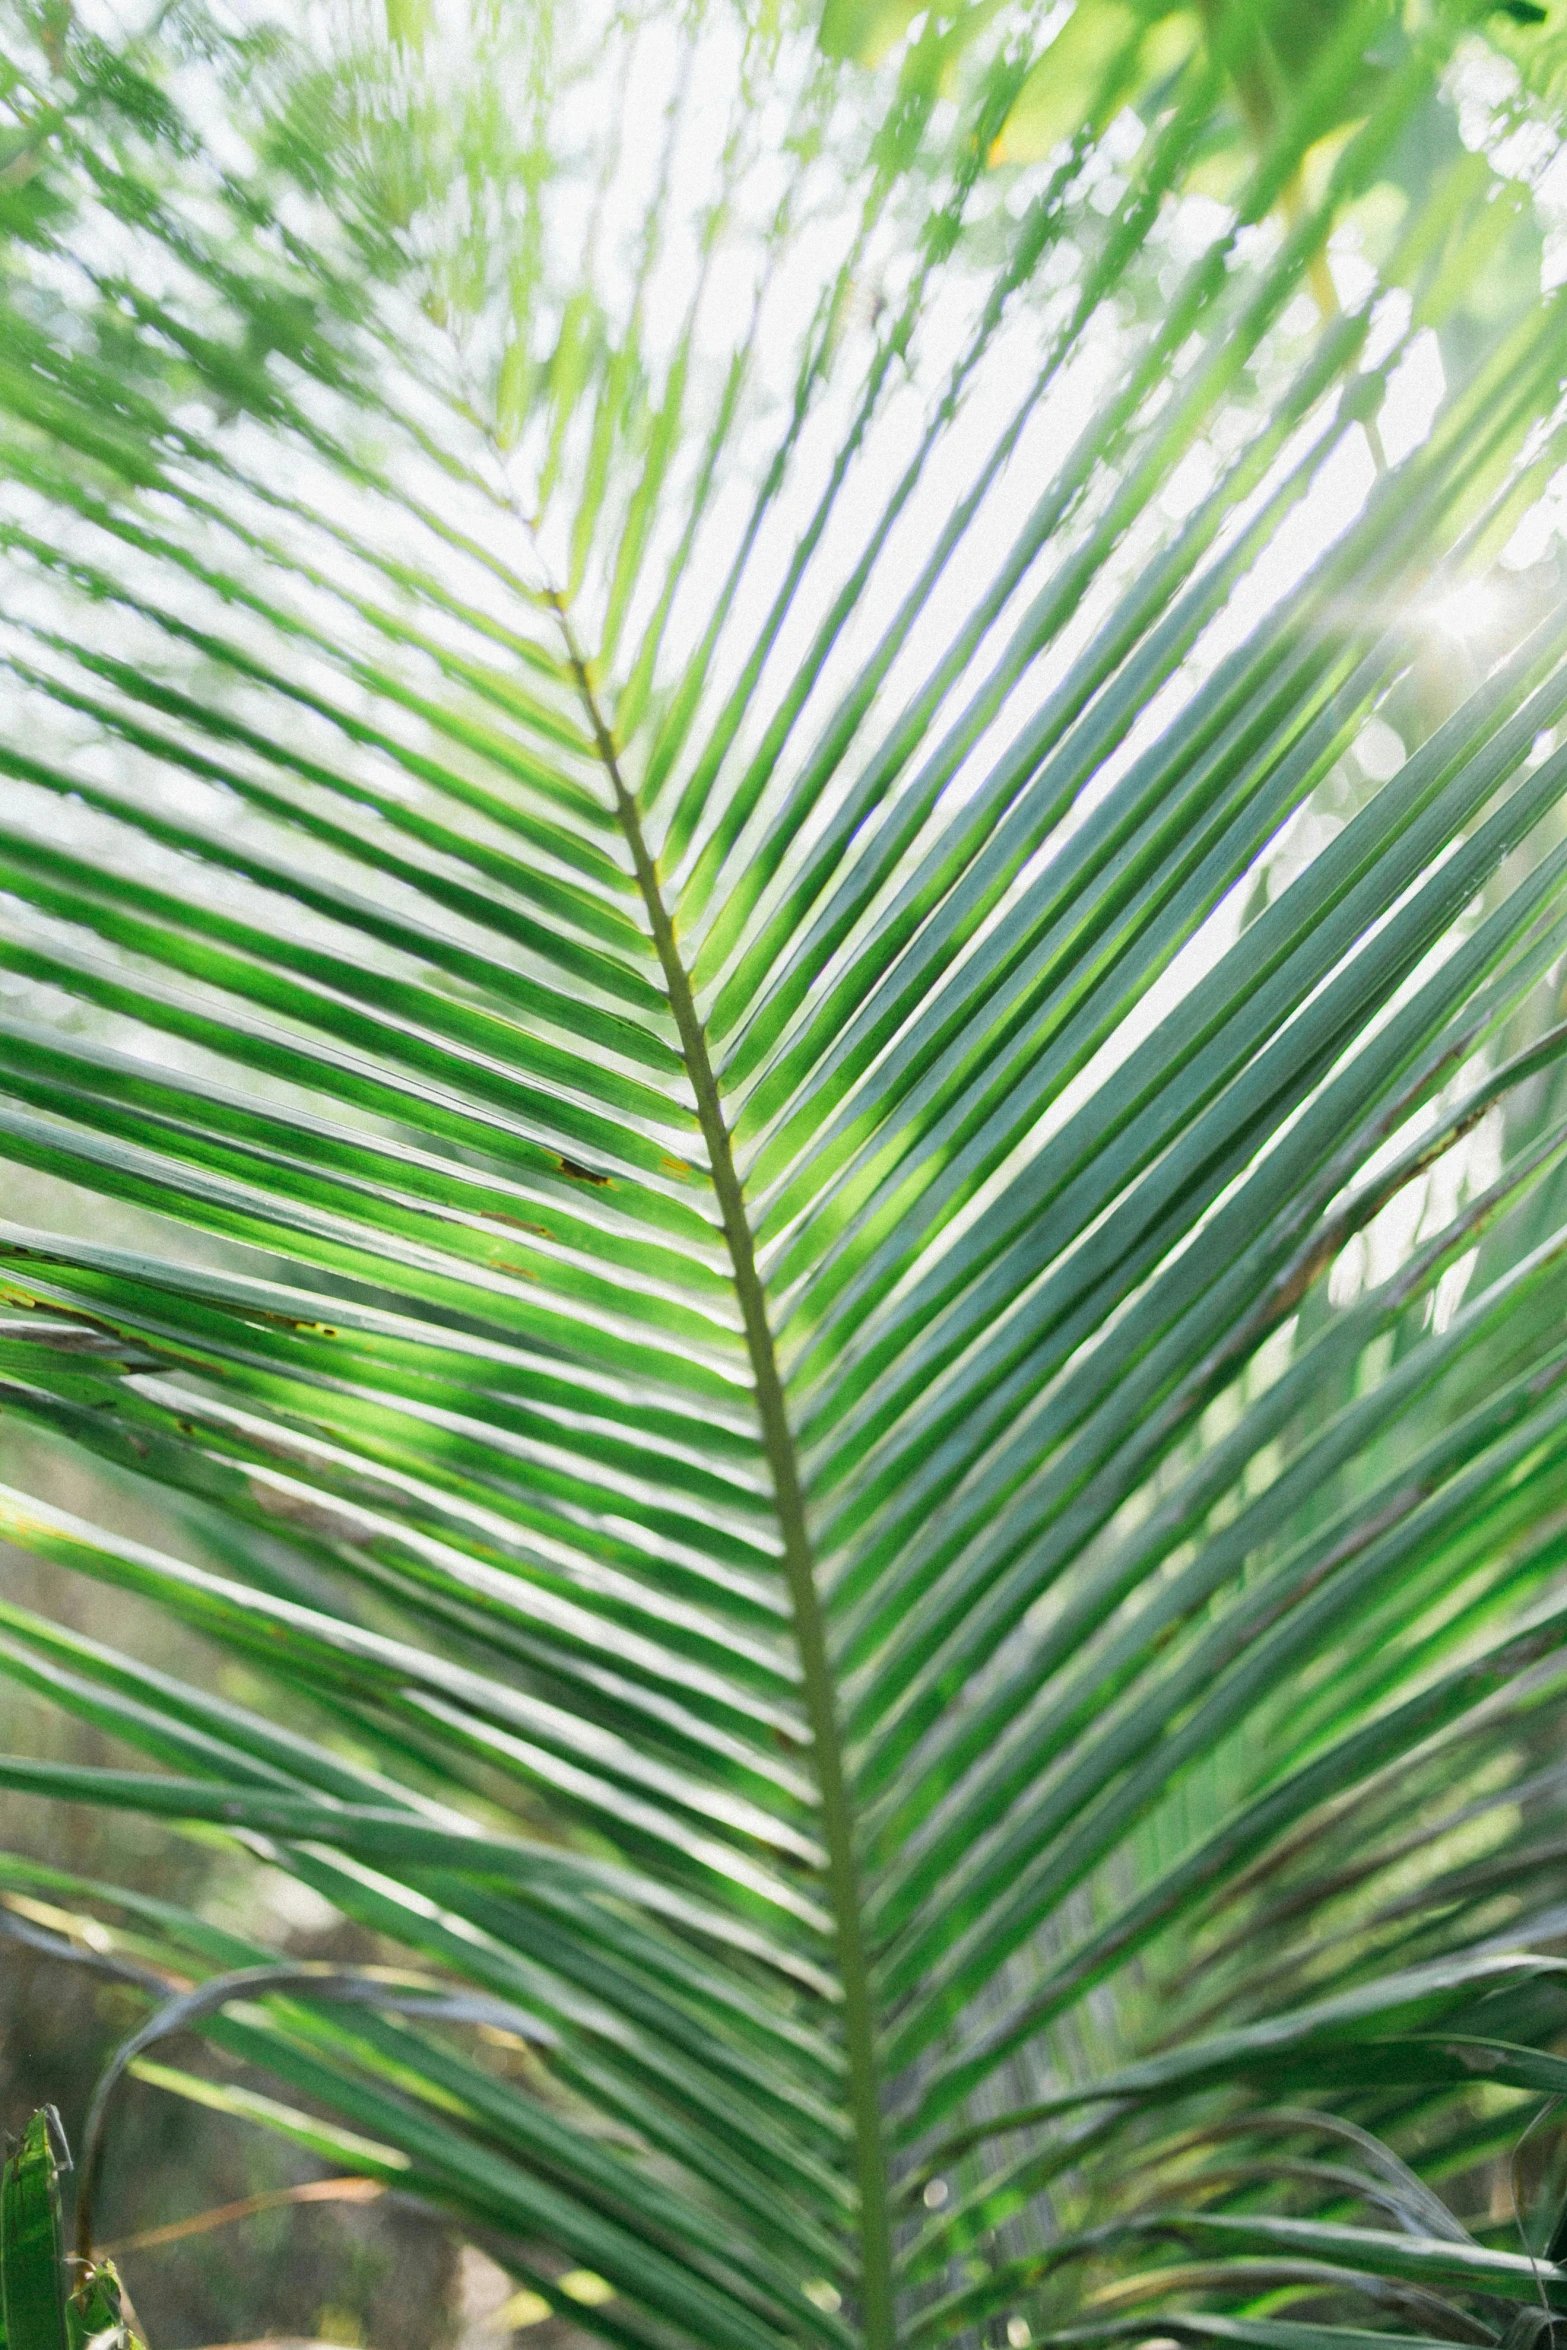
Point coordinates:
[(843, 1886)]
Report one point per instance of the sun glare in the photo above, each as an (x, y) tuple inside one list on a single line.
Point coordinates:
[(1465, 614)]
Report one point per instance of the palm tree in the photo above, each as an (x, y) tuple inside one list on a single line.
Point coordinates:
[(783, 864)]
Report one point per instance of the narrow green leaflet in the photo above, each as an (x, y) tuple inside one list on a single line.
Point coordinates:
[(32, 2264)]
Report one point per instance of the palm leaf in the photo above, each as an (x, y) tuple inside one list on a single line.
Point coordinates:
[(828, 1228)]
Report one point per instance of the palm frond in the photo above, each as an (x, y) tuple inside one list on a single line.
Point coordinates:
[(783, 1053)]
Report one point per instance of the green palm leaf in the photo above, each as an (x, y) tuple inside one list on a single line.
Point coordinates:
[(782, 1046)]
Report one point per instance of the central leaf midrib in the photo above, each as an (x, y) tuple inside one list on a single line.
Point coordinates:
[(837, 1825)]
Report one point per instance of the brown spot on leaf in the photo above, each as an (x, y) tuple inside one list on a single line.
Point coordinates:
[(581, 1174), (499, 1216)]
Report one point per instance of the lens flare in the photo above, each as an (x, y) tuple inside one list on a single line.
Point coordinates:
[(1465, 614)]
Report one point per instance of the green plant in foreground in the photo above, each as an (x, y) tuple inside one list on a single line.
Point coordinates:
[(43, 2308), (781, 937)]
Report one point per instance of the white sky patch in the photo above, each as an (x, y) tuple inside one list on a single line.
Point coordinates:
[(1414, 394), (1335, 499), (1379, 750)]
